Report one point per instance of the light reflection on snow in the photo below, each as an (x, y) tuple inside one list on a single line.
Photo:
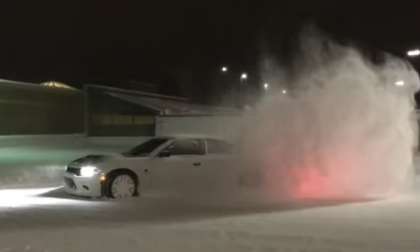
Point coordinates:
[(32, 197)]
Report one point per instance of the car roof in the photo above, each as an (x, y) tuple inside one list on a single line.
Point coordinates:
[(184, 136)]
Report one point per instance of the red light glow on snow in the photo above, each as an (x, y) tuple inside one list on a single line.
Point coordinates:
[(311, 184), (318, 176)]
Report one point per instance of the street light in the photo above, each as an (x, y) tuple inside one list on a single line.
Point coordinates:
[(399, 83), (243, 90), (224, 69), (413, 53), (284, 91), (266, 86)]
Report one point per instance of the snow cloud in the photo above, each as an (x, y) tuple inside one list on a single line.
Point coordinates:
[(345, 128)]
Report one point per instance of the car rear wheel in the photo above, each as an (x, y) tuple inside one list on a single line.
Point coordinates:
[(122, 185)]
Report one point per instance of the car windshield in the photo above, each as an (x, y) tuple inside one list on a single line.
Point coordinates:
[(145, 148)]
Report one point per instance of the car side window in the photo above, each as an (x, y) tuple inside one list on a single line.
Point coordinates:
[(218, 147), (187, 147)]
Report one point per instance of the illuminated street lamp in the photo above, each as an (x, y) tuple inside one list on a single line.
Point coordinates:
[(399, 83), (284, 91), (413, 53), (266, 86), (224, 69), (243, 90)]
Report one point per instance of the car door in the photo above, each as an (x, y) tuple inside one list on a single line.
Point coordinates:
[(139, 159), (178, 169), (218, 172)]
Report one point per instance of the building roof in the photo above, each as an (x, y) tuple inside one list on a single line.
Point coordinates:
[(164, 106)]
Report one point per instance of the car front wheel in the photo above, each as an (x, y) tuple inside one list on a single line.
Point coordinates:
[(121, 185)]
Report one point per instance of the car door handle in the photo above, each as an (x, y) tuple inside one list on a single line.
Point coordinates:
[(197, 163)]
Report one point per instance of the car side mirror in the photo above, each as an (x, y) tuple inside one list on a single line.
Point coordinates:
[(164, 154)]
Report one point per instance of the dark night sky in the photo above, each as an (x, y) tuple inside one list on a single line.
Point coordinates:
[(179, 43)]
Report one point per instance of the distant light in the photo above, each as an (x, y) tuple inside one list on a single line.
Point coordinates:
[(400, 83), (284, 91), (413, 53), (266, 86), (244, 76), (224, 69), (56, 84)]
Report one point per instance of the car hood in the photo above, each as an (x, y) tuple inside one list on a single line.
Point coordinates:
[(102, 159), (91, 160)]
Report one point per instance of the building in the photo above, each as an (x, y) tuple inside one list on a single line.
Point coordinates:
[(28, 108), (56, 108), (119, 112)]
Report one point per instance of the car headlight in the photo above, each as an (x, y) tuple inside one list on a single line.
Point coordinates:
[(89, 171)]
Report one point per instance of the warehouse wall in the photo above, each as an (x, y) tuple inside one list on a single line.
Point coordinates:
[(226, 127), (32, 109), (109, 116), (29, 109)]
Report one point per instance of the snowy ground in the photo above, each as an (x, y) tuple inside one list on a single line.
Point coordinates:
[(39, 217)]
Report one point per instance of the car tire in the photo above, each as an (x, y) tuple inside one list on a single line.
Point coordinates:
[(122, 184)]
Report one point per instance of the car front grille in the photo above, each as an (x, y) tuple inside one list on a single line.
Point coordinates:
[(73, 170)]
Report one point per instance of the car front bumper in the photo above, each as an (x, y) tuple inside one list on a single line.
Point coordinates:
[(82, 186)]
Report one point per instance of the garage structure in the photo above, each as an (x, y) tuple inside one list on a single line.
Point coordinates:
[(52, 108), (119, 112), (28, 108)]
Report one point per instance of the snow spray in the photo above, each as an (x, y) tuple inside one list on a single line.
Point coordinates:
[(346, 126)]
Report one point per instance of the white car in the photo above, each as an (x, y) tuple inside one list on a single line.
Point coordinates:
[(161, 163)]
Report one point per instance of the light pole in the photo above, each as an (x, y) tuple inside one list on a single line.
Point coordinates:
[(222, 80), (242, 89)]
